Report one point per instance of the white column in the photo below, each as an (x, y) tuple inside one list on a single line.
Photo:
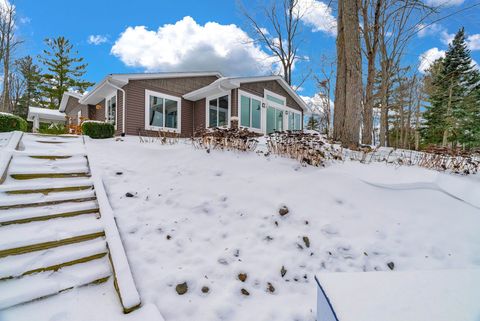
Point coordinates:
[(36, 124)]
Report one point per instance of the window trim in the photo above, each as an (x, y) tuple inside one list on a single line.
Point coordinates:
[(207, 109), (149, 93), (263, 123), (107, 98), (275, 95), (281, 107)]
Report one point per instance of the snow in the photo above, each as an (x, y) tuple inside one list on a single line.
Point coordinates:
[(202, 218), (16, 265), (123, 275), (442, 295), (33, 212), (13, 236), (13, 292)]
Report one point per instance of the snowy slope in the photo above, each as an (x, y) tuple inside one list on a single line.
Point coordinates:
[(203, 218)]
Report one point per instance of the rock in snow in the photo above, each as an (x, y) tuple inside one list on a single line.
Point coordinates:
[(181, 288)]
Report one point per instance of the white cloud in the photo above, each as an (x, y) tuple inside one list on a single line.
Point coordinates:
[(474, 42), (96, 39), (317, 15), (446, 37), (444, 3), (316, 103), (429, 30), (428, 57), (186, 45)]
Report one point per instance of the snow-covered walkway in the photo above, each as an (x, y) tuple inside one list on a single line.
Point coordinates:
[(51, 236)]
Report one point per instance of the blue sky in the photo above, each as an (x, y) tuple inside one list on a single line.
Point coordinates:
[(201, 35)]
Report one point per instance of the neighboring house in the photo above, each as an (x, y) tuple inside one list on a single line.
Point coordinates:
[(186, 102)]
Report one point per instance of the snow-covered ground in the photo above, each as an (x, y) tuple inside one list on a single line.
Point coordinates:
[(203, 218)]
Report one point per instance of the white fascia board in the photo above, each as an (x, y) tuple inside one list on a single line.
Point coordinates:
[(127, 77)]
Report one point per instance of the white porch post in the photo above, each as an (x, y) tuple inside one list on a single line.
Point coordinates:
[(36, 124)]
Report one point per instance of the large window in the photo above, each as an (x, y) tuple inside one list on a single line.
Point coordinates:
[(218, 111), (162, 111), (294, 121), (250, 112), (111, 109)]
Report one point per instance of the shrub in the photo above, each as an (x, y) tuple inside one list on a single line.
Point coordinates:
[(52, 129), (226, 138), (97, 129), (9, 122)]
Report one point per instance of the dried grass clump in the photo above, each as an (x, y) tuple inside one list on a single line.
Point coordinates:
[(239, 139), (163, 137), (308, 148), (441, 159)]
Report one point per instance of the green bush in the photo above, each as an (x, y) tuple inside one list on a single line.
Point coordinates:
[(96, 129), (9, 122), (52, 129)]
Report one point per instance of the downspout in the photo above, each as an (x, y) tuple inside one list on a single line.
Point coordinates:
[(123, 105)]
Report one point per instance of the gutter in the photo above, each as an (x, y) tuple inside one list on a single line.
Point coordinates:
[(123, 105)]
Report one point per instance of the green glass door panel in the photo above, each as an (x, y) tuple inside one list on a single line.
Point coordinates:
[(270, 120)]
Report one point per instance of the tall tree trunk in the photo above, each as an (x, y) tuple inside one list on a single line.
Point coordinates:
[(349, 74), (340, 85), (371, 44), (384, 103)]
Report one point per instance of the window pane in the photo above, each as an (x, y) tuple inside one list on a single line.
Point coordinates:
[(256, 114), (156, 111), (276, 100), (270, 120), (111, 109), (223, 111), (171, 113), (298, 124), (212, 113), (291, 123), (279, 116), (245, 111)]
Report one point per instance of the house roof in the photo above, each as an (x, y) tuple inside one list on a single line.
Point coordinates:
[(65, 97), (228, 83), (112, 81), (45, 114)]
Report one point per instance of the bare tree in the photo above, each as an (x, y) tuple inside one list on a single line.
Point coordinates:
[(348, 90), (324, 84), (399, 22), (8, 42), (371, 11), (281, 32)]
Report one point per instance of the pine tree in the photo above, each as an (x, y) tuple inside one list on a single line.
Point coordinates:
[(313, 123), (31, 79), (434, 122), (65, 71), (450, 118)]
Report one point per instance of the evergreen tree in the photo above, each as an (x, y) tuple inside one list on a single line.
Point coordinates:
[(64, 71), (313, 123), (450, 118), (434, 122), (31, 79)]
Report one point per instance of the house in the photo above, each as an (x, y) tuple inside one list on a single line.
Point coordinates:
[(186, 102)]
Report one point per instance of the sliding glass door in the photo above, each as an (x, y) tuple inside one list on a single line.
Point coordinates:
[(274, 119)]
